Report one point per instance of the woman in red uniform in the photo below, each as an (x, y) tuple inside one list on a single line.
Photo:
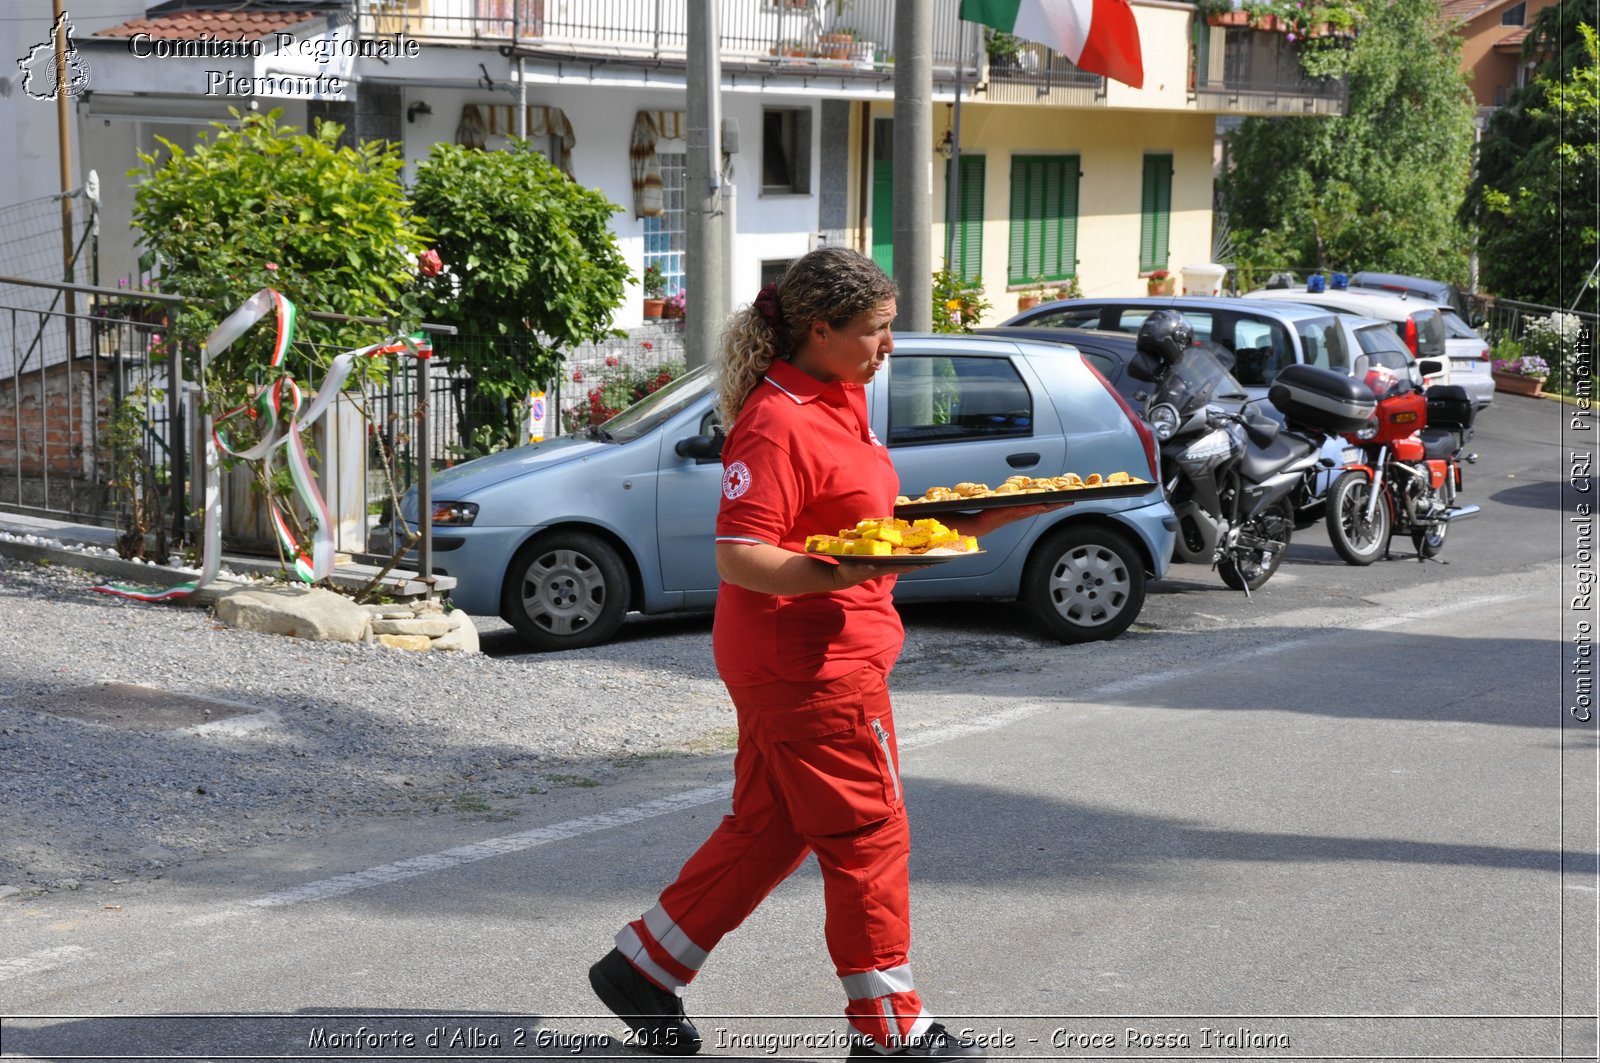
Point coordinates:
[(805, 646)]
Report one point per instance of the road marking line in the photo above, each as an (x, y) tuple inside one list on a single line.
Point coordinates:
[(427, 864), (35, 962)]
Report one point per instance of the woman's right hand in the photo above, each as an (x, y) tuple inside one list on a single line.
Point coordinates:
[(852, 574)]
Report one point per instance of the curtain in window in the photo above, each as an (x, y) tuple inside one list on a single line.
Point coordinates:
[(648, 127)]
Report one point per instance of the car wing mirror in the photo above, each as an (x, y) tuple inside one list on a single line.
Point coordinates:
[(700, 448), (1430, 367)]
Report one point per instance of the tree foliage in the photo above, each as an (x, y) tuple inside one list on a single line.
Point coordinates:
[(1534, 196), (265, 206), (529, 258), (1378, 187)]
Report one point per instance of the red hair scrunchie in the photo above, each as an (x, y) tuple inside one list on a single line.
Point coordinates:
[(769, 307)]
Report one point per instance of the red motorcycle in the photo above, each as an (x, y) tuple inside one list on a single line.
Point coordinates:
[(1403, 472)]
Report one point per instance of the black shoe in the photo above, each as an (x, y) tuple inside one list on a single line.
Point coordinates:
[(937, 1044), (655, 1015)]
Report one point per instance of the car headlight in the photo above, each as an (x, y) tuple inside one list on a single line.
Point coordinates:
[(1368, 430), (1164, 419), (459, 514)]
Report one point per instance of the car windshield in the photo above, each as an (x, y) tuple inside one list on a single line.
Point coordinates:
[(1457, 329), (657, 407), (1322, 342)]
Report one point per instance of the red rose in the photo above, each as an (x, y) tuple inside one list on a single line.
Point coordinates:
[(429, 264)]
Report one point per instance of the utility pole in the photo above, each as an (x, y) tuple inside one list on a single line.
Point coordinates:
[(706, 300), (64, 152), (913, 164)]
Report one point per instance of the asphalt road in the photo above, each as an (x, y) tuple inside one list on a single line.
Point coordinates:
[(1350, 817)]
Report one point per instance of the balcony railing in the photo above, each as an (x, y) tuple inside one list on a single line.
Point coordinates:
[(837, 37), (1240, 69), (1037, 74)]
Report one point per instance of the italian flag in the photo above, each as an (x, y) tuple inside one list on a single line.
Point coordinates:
[(1099, 36)]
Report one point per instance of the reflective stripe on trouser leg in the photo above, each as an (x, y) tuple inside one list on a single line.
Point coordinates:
[(657, 946), (884, 1010), (632, 943)]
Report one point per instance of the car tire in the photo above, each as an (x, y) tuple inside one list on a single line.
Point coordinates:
[(1084, 583), (1358, 542), (565, 590)]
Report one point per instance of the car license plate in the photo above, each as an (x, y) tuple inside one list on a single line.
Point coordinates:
[(1352, 455), (1464, 363)]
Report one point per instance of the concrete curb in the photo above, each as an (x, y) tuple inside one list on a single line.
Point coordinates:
[(115, 568)]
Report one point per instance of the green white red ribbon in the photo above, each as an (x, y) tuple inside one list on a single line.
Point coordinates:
[(278, 409)]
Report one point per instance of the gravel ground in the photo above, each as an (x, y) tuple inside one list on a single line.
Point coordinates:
[(337, 730)]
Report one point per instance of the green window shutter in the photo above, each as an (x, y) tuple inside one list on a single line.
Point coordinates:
[(1155, 213), (966, 247), (1044, 218)]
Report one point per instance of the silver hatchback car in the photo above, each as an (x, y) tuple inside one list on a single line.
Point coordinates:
[(563, 538)]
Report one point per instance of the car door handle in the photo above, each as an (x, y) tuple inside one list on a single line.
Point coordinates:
[(1022, 461)]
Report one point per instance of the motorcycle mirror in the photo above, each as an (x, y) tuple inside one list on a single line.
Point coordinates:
[(1430, 367), (1140, 367), (1261, 430)]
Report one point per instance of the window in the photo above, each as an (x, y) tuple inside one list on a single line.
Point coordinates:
[(1044, 218), (772, 270), (663, 236), (964, 226), (1155, 213), (1382, 348), (1322, 343), (1515, 15), (1260, 349), (786, 151), (1078, 317), (938, 399)]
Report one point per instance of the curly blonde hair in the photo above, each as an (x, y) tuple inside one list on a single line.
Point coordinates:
[(832, 284)]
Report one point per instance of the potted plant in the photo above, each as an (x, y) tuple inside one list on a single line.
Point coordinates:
[(1160, 282), (1069, 289), (654, 285), (1223, 13), (672, 307), (1261, 17), (1003, 49), (1034, 295), (836, 44), (1522, 376)]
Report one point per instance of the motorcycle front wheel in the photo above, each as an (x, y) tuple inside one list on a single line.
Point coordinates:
[(1249, 569), (1355, 538)]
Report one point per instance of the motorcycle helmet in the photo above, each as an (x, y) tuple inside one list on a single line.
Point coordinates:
[(1165, 335)]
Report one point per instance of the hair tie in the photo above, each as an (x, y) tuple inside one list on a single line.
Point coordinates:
[(769, 307)]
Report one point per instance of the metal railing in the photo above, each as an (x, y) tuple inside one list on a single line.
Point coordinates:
[(1036, 74), (776, 32), (1249, 70)]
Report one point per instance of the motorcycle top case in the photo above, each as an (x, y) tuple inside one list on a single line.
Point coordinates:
[(1449, 407), (1322, 399)]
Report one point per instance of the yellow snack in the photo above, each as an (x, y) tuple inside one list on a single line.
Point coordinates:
[(888, 534), (871, 547)]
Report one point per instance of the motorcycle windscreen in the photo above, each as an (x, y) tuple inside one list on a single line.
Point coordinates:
[(1197, 379)]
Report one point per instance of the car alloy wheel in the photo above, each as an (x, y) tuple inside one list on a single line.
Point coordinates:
[(566, 590)]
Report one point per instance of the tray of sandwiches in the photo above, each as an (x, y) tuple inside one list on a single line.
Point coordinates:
[(1023, 491), (893, 541)]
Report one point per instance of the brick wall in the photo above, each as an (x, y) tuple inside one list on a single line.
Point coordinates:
[(48, 421)]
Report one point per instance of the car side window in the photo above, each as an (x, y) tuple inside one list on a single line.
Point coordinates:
[(1129, 320), (1430, 333), (1322, 343), (1104, 364), (940, 399), (1076, 318), (1260, 349)]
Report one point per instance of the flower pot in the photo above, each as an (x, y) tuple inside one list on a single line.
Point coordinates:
[(1228, 18), (1161, 286), (652, 307), (1517, 384), (1027, 302), (671, 311), (1265, 23), (1318, 29)]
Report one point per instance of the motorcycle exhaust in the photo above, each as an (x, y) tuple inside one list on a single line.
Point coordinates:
[(1461, 513)]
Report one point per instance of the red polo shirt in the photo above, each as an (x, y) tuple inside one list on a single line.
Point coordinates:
[(801, 459)]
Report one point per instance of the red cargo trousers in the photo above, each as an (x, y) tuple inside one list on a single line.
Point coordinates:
[(816, 771)]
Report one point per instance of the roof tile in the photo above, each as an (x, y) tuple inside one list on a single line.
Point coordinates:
[(195, 25)]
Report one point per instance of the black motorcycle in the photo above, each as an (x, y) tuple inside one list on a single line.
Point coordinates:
[(1235, 479)]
